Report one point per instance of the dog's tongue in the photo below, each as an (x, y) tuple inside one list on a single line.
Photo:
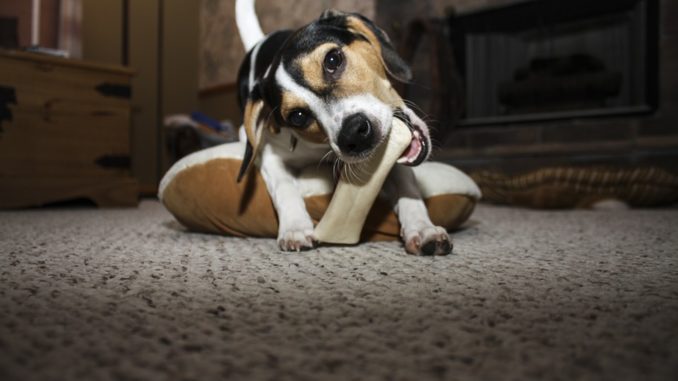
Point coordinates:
[(414, 150)]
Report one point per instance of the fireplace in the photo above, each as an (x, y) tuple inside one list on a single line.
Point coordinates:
[(553, 59)]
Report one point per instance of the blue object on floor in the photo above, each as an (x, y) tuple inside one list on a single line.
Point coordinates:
[(207, 121)]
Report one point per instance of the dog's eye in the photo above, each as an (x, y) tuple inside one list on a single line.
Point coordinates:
[(298, 118), (333, 60)]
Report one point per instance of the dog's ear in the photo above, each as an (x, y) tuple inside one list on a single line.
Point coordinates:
[(393, 63), (256, 118)]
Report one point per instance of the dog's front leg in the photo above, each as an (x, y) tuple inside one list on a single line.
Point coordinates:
[(295, 227), (419, 234)]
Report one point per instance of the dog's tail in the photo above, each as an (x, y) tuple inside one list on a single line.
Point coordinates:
[(248, 24)]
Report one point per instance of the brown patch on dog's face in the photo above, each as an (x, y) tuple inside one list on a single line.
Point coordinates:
[(311, 66), (364, 72), (357, 26), (391, 61), (313, 132)]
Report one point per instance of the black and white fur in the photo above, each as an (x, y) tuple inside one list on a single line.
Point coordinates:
[(324, 91)]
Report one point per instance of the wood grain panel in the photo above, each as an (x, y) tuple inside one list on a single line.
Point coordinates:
[(64, 137)]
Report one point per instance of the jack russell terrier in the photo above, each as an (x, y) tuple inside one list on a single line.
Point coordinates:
[(322, 93)]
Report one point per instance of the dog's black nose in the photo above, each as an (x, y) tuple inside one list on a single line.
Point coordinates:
[(356, 135)]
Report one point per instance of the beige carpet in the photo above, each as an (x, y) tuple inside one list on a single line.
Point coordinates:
[(90, 294)]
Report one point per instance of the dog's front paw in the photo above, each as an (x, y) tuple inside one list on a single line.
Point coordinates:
[(432, 240), (296, 240)]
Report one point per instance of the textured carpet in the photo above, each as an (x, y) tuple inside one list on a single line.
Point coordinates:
[(90, 294)]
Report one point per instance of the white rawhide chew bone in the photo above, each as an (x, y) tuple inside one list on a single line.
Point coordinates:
[(352, 200)]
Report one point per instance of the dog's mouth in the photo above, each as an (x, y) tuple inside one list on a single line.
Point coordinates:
[(419, 147)]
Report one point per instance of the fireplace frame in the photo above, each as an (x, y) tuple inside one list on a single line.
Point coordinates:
[(551, 12)]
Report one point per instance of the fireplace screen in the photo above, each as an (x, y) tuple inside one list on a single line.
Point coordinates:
[(553, 59)]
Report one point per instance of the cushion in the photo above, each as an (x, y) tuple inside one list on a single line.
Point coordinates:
[(580, 187), (201, 191)]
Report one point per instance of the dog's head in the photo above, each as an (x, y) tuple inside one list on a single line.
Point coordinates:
[(330, 85)]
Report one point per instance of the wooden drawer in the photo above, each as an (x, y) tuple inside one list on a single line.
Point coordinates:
[(62, 122), (62, 137), (58, 78)]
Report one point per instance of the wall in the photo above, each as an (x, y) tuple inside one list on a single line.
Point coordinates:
[(102, 35), (179, 82), (144, 58), (162, 49)]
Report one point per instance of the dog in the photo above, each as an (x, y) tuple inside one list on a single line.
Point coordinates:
[(320, 92)]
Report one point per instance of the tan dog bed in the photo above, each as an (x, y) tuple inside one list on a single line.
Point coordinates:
[(201, 191)]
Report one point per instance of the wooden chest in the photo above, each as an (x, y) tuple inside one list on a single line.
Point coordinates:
[(64, 132)]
